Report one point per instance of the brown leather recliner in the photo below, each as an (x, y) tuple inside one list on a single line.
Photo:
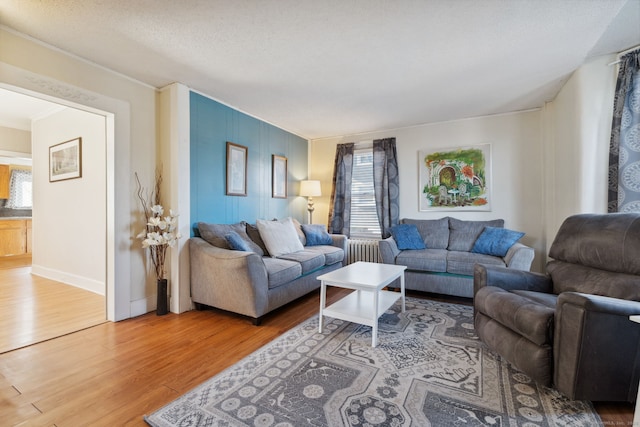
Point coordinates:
[(570, 329)]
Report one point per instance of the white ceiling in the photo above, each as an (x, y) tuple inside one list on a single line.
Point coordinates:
[(323, 68), (18, 110)]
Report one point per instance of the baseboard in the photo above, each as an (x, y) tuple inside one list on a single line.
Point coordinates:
[(143, 306), (85, 283)]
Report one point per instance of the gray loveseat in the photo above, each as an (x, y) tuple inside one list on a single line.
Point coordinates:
[(446, 265), (251, 282), (570, 328)]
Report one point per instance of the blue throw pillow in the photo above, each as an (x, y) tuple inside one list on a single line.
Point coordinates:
[(236, 242), (316, 235), (496, 241), (407, 236)]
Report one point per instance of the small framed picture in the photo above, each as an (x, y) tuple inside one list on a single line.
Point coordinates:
[(279, 177), (236, 169), (65, 160)]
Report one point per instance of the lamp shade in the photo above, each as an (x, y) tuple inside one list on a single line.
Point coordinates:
[(310, 188)]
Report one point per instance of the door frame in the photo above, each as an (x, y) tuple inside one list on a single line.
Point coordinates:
[(118, 141)]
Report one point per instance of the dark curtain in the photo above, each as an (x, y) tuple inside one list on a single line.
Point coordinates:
[(340, 204), (624, 147), (385, 183)]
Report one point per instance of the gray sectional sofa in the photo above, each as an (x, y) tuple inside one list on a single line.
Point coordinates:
[(252, 282), (446, 265)]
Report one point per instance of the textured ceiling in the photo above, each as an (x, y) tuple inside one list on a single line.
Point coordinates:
[(327, 67)]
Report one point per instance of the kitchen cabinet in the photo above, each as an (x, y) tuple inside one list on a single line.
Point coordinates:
[(15, 236), (5, 175)]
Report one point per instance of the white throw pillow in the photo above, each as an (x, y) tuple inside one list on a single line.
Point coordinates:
[(280, 237)]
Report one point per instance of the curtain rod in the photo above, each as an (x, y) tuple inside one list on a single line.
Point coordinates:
[(624, 52)]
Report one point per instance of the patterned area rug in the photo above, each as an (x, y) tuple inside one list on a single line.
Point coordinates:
[(429, 368)]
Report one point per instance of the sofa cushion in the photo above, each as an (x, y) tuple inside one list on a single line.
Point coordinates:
[(309, 260), (281, 271), (298, 227), (434, 232), (432, 260), (316, 234), (331, 254), (236, 242), (463, 234), (280, 237), (215, 234), (462, 262), (407, 237), (254, 235), (522, 315), (496, 241)]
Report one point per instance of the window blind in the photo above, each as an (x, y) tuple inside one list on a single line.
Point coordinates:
[(364, 219)]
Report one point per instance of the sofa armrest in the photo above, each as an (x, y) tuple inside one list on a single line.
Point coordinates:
[(236, 281), (340, 241), (388, 250), (596, 347), (509, 279), (519, 257)]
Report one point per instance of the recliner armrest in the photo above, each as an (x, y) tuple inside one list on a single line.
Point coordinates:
[(596, 347), (388, 250), (510, 279)]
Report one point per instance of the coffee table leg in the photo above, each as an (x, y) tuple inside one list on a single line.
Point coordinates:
[(402, 290), (374, 327), (323, 299)]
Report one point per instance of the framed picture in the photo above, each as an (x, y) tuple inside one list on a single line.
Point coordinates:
[(455, 179), (65, 160), (236, 169), (278, 177)]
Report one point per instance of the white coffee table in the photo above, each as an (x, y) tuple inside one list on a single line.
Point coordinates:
[(369, 301)]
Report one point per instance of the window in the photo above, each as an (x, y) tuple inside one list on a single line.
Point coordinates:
[(20, 191), (364, 219)]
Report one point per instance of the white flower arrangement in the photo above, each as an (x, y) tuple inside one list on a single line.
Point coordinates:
[(160, 231)]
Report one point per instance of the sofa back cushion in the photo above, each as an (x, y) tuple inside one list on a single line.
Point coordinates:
[(463, 234), (434, 232), (215, 234), (604, 241)]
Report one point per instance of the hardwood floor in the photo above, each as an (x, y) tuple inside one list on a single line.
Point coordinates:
[(114, 373), (35, 309)]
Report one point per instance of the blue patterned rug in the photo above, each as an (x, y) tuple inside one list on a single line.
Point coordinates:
[(429, 368)]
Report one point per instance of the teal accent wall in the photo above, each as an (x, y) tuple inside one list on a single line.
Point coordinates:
[(212, 125)]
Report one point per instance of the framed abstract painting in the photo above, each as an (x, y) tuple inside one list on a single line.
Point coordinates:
[(455, 179)]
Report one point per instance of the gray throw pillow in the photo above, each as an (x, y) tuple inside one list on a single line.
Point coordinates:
[(254, 235), (215, 234)]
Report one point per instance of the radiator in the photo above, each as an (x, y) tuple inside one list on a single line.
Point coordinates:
[(362, 250)]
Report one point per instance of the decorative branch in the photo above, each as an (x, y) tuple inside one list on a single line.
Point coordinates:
[(159, 232)]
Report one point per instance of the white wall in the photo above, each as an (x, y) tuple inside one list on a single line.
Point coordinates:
[(517, 169), (69, 221), (15, 140), (577, 132), (36, 68)]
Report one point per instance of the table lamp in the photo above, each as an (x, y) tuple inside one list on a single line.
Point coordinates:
[(309, 189)]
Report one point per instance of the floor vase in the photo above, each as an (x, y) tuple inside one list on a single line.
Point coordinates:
[(162, 307)]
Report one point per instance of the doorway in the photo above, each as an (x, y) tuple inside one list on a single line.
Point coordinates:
[(63, 252)]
